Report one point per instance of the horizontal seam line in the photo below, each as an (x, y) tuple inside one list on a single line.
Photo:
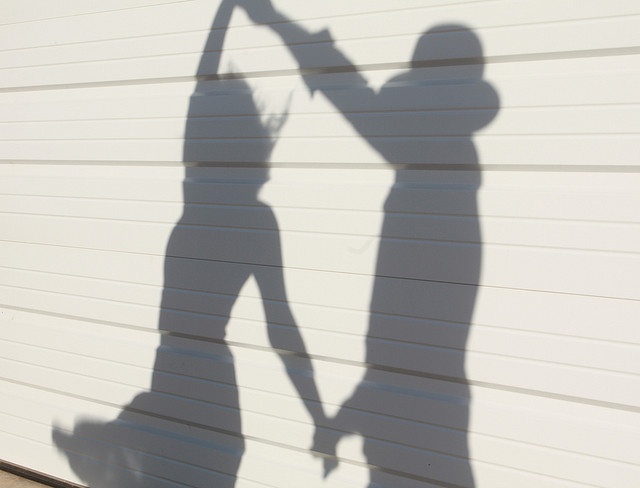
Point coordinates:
[(619, 51)]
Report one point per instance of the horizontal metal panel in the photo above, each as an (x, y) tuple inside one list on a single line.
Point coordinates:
[(370, 43), (504, 230), (490, 367), (583, 196), (557, 122), (506, 266), (43, 10), (572, 315)]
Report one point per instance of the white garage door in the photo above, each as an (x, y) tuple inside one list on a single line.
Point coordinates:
[(364, 243)]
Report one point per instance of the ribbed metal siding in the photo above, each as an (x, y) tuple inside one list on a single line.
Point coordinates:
[(471, 311)]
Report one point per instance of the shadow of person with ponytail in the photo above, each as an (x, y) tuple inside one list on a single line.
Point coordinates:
[(186, 430)]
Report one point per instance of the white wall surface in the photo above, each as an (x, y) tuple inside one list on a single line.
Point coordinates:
[(457, 244)]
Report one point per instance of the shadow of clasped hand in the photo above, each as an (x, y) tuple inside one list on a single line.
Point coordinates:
[(325, 441)]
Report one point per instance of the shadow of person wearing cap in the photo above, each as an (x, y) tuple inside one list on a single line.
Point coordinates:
[(412, 406)]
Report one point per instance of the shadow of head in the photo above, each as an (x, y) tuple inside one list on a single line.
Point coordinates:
[(450, 44), (229, 124)]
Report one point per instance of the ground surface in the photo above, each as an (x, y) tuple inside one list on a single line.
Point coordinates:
[(8, 480)]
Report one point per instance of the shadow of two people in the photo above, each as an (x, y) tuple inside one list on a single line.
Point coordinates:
[(421, 122)]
